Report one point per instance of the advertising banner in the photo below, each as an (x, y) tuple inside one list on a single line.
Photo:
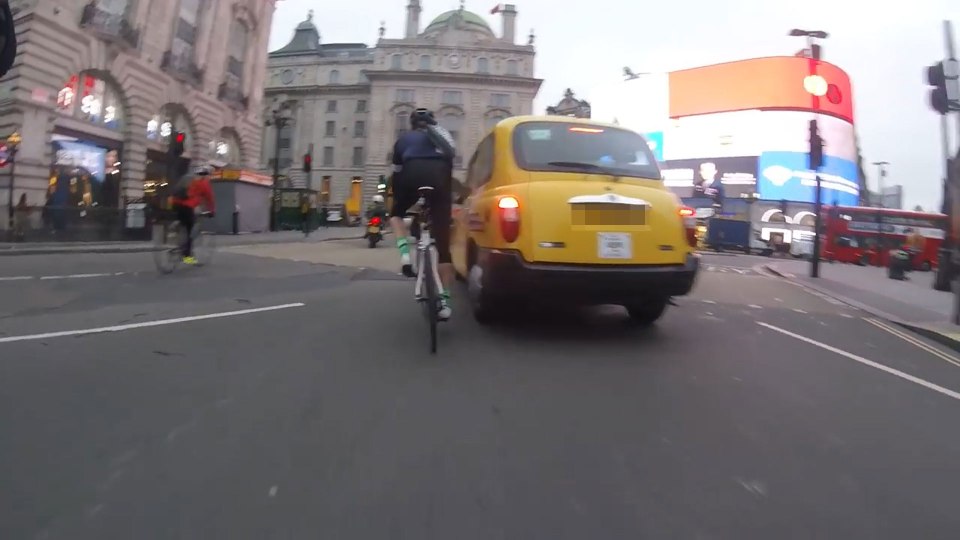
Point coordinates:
[(785, 176), (90, 159), (731, 176), (655, 141)]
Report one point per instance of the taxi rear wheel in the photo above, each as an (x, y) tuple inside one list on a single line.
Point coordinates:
[(647, 313), (486, 309)]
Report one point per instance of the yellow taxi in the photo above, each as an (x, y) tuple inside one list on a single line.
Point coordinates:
[(570, 210)]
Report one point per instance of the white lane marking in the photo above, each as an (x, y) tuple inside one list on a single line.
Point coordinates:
[(273, 491), (148, 324), (914, 341), (896, 373), (799, 310), (754, 306), (846, 315), (16, 278), (708, 301), (75, 276)]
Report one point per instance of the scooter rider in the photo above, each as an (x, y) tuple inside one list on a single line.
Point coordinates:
[(378, 208)]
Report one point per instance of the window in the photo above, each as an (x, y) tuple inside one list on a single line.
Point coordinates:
[(361, 105), (92, 99), (452, 97), (328, 156), (425, 61), (454, 124), (358, 156), (405, 95), (332, 105), (359, 128), (236, 57), (483, 65), (286, 150), (512, 67), (396, 61), (334, 77), (500, 100), (401, 122), (538, 146), (331, 129), (183, 48), (480, 168)]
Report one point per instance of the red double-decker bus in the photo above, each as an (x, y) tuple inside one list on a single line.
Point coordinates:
[(863, 235)]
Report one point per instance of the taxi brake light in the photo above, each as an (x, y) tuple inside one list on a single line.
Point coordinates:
[(509, 208), (585, 130)]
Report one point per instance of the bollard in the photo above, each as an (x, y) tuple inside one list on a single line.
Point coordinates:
[(236, 222)]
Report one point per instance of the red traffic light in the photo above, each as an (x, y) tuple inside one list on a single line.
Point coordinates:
[(180, 137)]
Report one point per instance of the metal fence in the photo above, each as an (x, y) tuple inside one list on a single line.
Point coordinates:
[(78, 224)]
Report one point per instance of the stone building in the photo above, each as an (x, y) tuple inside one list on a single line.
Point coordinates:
[(570, 106), (350, 101), (99, 85)]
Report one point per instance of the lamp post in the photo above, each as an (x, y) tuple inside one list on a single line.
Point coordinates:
[(881, 174), (816, 86), (280, 117), (12, 145)]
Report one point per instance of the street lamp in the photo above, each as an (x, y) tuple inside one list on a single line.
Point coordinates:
[(280, 117), (12, 145), (816, 86), (881, 174)]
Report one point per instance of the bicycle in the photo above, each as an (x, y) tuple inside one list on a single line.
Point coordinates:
[(171, 244), (427, 261)]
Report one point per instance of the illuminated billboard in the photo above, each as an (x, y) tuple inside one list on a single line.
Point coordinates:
[(734, 114)]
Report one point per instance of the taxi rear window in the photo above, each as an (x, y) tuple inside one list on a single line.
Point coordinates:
[(570, 147)]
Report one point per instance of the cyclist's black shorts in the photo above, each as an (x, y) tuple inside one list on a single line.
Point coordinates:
[(436, 173)]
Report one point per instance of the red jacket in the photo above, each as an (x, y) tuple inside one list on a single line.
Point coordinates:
[(199, 192)]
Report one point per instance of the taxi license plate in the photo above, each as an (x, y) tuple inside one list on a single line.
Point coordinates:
[(614, 246)]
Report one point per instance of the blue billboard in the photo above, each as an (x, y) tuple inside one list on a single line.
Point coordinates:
[(655, 140), (786, 176)]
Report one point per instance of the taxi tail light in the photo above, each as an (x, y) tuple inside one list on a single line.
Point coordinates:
[(689, 224), (508, 209)]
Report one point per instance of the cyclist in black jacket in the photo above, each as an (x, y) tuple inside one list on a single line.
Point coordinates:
[(418, 162)]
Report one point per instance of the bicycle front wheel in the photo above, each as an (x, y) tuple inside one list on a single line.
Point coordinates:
[(431, 299), (204, 247)]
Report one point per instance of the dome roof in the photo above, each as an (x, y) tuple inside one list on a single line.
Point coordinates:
[(469, 18)]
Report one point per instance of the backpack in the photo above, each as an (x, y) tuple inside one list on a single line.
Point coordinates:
[(182, 190), (443, 141)]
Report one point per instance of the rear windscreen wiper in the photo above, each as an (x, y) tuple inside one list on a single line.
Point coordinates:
[(587, 166)]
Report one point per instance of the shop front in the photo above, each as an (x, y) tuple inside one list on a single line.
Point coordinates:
[(243, 201)]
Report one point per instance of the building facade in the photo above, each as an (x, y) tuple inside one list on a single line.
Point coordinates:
[(99, 87), (570, 106), (350, 101)]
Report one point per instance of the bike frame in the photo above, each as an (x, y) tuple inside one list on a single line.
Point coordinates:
[(426, 247)]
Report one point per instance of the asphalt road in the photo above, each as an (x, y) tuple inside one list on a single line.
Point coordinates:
[(752, 410)]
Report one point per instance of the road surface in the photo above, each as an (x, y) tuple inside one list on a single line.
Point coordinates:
[(267, 398)]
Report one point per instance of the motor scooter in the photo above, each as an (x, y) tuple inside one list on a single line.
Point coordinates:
[(374, 232)]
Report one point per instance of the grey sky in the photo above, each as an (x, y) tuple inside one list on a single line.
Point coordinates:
[(882, 44)]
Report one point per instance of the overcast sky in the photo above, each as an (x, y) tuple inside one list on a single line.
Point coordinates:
[(883, 45)]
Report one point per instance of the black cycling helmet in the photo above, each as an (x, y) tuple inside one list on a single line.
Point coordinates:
[(422, 116)]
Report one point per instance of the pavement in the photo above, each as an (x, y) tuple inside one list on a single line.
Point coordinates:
[(912, 303), (51, 248), (268, 398)]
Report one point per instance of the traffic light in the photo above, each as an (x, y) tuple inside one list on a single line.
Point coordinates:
[(307, 162), (816, 147), (783, 207), (945, 90), (177, 143)]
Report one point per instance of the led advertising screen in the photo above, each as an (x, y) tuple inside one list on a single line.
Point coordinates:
[(784, 175), (731, 176)]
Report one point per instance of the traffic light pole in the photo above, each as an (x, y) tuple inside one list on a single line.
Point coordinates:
[(816, 154)]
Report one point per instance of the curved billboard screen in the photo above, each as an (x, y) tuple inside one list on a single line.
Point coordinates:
[(734, 114)]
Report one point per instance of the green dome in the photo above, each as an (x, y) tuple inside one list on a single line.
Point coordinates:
[(469, 19)]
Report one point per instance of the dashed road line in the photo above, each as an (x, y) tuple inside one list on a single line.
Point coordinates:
[(62, 277)]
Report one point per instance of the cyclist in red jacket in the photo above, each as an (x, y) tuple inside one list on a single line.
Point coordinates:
[(193, 191)]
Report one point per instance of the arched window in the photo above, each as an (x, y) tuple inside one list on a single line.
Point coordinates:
[(226, 148), (483, 65), (93, 99), (161, 127), (237, 56), (334, 77), (453, 123), (512, 67)]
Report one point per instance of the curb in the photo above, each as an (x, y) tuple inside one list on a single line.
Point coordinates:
[(106, 249), (932, 335)]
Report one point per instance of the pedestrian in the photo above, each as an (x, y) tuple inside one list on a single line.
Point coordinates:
[(21, 218)]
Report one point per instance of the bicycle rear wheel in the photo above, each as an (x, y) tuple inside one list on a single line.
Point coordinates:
[(431, 299), (204, 246), (166, 254)]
